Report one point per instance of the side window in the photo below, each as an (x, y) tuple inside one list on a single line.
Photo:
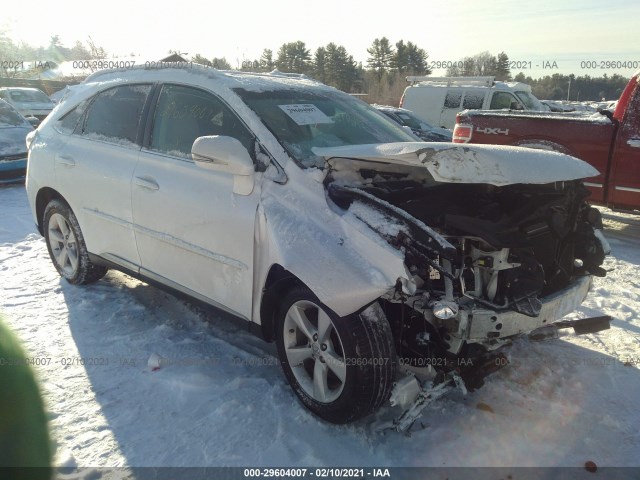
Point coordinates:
[(452, 100), (69, 122), (501, 100), (473, 100), (114, 115), (186, 113)]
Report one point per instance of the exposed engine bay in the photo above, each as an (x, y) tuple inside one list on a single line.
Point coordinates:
[(486, 262)]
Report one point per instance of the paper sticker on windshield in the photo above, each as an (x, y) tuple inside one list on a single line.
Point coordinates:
[(305, 114)]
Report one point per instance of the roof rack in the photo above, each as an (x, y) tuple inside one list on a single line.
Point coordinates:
[(448, 81)]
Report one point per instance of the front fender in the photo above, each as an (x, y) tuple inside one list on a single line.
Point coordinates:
[(344, 263)]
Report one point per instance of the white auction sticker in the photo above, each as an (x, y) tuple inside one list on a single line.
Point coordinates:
[(305, 114)]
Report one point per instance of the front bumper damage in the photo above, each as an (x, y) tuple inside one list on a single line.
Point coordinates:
[(412, 393), (489, 253), (478, 325)]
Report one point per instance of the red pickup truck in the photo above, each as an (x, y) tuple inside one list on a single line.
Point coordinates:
[(609, 142)]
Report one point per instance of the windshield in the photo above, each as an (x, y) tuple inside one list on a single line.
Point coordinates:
[(9, 117), (530, 102), (28, 96), (413, 122), (303, 119)]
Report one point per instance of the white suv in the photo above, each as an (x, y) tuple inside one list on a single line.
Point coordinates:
[(317, 220), (439, 100)]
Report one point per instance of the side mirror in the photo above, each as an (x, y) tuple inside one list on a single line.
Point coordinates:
[(33, 121), (515, 106), (226, 155), (606, 113)]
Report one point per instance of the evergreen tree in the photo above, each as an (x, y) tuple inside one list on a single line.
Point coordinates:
[(381, 56), (416, 60), (502, 71), (400, 59), (335, 67), (341, 67), (293, 57), (266, 60), (319, 64), (220, 63)]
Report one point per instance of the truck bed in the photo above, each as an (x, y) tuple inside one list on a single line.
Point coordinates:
[(581, 134)]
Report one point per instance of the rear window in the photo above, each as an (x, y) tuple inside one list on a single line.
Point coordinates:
[(28, 96), (115, 114), (473, 100), (452, 100)]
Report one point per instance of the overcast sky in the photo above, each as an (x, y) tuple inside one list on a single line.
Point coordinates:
[(566, 32)]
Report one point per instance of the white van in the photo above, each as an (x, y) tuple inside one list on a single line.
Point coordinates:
[(438, 100)]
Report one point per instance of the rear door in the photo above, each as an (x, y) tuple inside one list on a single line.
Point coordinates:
[(95, 164), (624, 179)]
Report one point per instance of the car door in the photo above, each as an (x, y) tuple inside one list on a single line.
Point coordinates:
[(94, 165), (503, 100), (193, 232), (451, 107), (624, 179)]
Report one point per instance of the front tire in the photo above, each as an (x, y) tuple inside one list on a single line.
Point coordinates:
[(66, 245), (341, 368)]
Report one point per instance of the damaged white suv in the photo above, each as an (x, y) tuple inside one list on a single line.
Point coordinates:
[(379, 265)]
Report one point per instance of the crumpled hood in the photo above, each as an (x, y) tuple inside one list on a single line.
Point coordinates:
[(449, 163)]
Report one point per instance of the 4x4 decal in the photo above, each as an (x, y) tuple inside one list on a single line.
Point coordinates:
[(492, 131)]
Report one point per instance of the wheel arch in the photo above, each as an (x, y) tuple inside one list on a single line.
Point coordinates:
[(44, 196), (539, 143), (278, 281)]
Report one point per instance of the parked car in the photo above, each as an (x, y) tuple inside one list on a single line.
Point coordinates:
[(14, 129), (556, 106), (57, 97), (422, 129), (30, 102), (608, 141), (437, 100), (323, 224)]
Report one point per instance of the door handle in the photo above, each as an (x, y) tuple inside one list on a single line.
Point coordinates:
[(147, 183), (634, 142), (65, 160)]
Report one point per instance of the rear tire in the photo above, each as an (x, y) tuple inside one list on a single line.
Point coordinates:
[(66, 245), (341, 368)]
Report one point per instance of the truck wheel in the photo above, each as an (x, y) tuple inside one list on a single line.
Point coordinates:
[(341, 368), (66, 245)]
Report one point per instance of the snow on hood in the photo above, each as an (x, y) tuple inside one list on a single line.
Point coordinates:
[(491, 164), (12, 139)]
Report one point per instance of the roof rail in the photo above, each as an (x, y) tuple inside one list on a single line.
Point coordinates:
[(155, 66), (277, 73), (448, 81)]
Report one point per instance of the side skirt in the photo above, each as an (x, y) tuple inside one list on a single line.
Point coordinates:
[(193, 297)]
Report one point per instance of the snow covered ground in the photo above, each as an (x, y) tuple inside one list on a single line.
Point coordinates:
[(219, 398)]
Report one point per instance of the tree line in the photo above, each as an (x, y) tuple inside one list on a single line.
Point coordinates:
[(54, 53), (381, 78), (570, 87)]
